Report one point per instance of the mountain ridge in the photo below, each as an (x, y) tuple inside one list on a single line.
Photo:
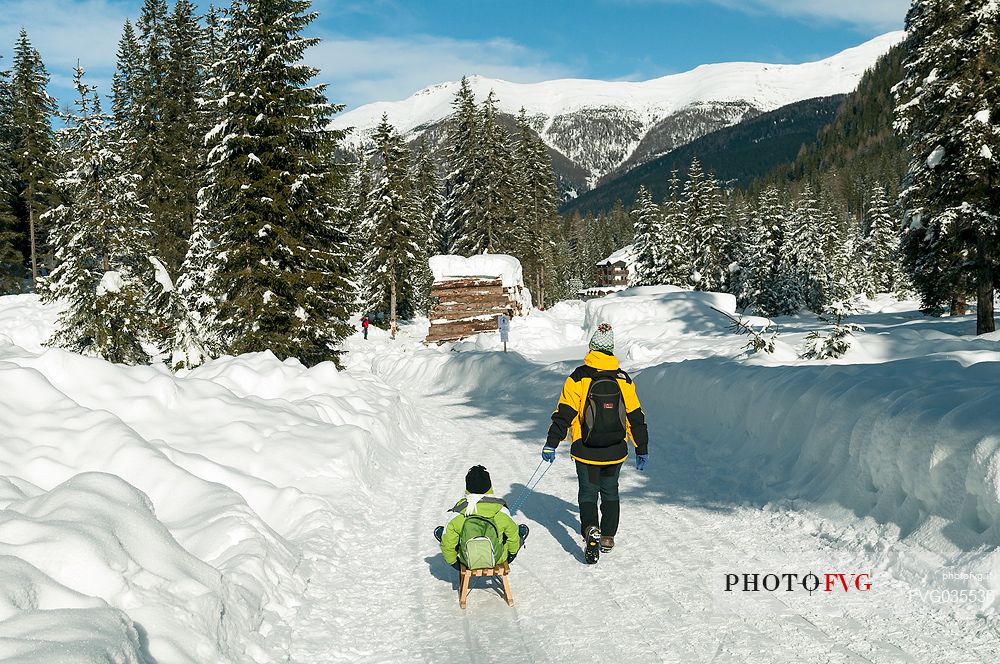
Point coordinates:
[(603, 126)]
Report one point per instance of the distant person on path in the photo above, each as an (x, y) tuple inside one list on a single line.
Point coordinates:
[(482, 533), (600, 409), (364, 326), (503, 324)]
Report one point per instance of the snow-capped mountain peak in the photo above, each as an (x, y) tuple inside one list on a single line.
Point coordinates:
[(605, 125)]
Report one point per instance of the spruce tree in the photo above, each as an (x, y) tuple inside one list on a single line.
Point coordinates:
[(806, 245), (645, 249), (126, 80), (270, 214), (490, 227), (32, 108), (427, 188), (195, 337), (11, 258), (706, 223), (101, 246), (673, 258), (762, 283), (947, 113), (463, 140), (877, 257), (536, 216), (181, 130), (392, 224), (149, 128)]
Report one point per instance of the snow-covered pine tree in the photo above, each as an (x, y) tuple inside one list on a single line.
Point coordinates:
[(805, 242), (427, 186), (392, 230), (490, 227), (706, 224), (195, 335), (947, 110), (877, 257), (11, 258), (760, 265), (537, 213), (269, 209), (427, 203), (182, 132), (149, 130), (31, 113), (463, 141), (579, 260), (101, 245), (839, 242), (645, 246), (125, 81), (673, 258)]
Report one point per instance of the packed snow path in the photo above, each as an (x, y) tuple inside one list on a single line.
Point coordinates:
[(385, 595)]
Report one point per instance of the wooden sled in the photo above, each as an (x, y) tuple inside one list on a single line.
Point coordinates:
[(466, 574)]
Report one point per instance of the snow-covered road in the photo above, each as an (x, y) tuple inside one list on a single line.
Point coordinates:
[(259, 510), (385, 595)]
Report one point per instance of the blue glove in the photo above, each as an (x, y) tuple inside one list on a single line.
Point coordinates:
[(549, 454), (640, 461)]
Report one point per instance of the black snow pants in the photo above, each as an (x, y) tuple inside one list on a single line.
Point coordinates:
[(603, 481)]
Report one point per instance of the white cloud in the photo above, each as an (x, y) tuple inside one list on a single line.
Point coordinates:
[(358, 70), (872, 14), (65, 32), (382, 69)]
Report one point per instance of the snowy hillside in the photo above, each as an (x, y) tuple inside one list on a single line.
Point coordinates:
[(254, 510), (600, 125)]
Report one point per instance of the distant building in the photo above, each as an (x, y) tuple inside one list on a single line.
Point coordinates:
[(612, 274), (615, 269)]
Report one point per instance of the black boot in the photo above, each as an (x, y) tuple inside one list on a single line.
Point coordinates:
[(592, 545)]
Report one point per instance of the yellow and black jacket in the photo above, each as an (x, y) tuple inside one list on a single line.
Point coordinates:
[(568, 417)]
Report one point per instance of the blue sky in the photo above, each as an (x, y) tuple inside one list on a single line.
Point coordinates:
[(387, 49)]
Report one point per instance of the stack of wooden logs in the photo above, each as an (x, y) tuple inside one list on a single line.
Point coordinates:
[(466, 306)]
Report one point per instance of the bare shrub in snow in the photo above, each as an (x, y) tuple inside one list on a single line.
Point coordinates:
[(760, 340)]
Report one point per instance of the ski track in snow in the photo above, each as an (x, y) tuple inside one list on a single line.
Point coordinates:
[(658, 597)]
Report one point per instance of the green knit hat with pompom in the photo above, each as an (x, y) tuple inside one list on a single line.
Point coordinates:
[(603, 340)]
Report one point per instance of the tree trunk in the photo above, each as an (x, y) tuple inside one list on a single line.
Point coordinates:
[(959, 304), (541, 285), (985, 322), (31, 232), (392, 307)]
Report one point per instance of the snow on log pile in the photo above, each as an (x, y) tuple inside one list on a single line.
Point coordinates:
[(470, 293)]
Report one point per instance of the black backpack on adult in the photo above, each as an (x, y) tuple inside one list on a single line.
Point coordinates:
[(604, 414)]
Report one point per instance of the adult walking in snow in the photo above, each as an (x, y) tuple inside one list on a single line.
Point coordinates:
[(600, 410), (364, 326)]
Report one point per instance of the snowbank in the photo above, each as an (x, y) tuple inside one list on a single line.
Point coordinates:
[(654, 312), (26, 322), (136, 501)]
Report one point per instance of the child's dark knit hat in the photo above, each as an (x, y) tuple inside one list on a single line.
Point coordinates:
[(477, 480)]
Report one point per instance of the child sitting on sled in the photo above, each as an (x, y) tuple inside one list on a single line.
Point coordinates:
[(482, 533)]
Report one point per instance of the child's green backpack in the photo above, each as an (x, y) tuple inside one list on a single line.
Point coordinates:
[(479, 543)]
